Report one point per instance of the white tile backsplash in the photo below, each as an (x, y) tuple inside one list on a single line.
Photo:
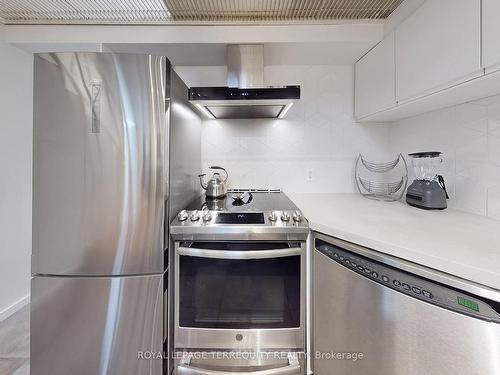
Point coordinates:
[(469, 137), (312, 150)]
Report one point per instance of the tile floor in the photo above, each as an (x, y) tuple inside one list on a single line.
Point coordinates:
[(15, 344)]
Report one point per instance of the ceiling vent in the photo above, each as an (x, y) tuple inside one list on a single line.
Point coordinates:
[(189, 12)]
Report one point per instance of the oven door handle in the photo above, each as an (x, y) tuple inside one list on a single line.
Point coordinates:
[(293, 368), (229, 254)]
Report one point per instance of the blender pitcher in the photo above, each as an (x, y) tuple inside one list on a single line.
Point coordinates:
[(428, 190)]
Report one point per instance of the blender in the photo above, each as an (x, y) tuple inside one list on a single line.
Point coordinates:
[(428, 191)]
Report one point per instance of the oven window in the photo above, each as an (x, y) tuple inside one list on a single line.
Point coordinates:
[(239, 294)]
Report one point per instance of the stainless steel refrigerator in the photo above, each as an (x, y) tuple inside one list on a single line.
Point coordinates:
[(101, 201)]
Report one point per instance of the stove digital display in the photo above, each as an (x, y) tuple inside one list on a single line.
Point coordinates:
[(240, 218)]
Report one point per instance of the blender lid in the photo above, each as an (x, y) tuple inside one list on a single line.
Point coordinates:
[(425, 154)]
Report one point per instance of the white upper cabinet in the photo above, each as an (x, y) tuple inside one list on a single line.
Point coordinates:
[(374, 80), (491, 33), (438, 46)]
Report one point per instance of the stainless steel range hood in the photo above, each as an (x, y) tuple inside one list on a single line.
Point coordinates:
[(245, 95)]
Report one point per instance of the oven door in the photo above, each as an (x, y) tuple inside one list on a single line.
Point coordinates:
[(240, 295)]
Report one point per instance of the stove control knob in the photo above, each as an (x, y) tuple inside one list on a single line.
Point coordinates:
[(195, 216), (183, 215), (285, 216), (297, 216), (207, 216), (273, 216)]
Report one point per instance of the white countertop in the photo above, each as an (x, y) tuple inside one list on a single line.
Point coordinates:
[(455, 242)]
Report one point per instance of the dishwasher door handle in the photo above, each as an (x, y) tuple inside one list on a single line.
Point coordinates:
[(293, 368), (232, 254)]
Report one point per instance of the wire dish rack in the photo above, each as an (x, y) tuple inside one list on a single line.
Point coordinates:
[(382, 181)]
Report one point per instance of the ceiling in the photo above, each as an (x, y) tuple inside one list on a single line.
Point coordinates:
[(190, 11)]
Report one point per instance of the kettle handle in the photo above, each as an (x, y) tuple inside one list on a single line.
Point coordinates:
[(216, 167)]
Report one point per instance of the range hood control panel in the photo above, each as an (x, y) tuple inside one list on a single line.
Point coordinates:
[(233, 103), (232, 93)]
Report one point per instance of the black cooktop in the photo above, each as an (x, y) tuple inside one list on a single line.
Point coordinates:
[(253, 201)]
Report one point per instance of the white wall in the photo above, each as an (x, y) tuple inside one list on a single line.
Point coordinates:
[(400, 14), (469, 137), (312, 150), (15, 176)]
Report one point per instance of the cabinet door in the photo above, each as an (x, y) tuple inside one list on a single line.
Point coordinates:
[(438, 46), (491, 33), (374, 86)]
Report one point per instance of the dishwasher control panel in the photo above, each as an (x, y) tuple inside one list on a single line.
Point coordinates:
[(411, 284)]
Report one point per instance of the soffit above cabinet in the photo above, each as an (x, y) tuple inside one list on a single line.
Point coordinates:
[(194, 11)]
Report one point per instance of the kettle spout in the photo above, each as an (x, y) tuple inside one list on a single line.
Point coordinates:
[(202, 183)]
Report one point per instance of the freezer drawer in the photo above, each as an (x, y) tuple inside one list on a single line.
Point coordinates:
[(395, 332), (100, 164), (97, 326)]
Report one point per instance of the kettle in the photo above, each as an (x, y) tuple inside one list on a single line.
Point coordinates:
[(216, 186)]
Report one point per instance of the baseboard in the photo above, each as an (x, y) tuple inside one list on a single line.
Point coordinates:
[(15, 307)]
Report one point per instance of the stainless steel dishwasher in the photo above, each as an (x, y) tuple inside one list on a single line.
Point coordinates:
[(380, 315)]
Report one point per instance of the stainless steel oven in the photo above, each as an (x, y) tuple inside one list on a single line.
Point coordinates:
[(240, 295), (240, 286)]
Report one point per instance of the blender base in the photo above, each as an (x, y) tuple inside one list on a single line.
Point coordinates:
[(427, 195)]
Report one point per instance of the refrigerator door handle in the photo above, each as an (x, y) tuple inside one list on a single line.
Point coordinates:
[(95, 102), (185, 368)]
